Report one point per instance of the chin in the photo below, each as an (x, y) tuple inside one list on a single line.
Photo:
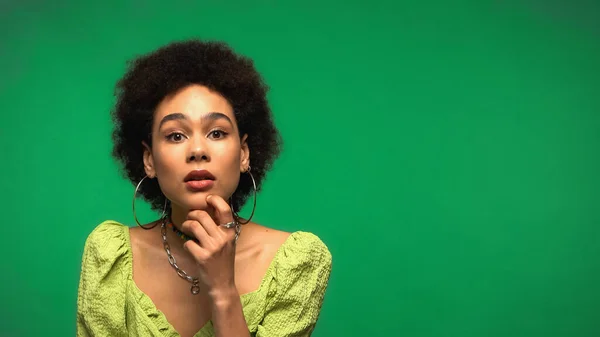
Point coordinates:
[(197, 200), (196, 203)]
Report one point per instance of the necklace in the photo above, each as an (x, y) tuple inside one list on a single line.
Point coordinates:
[(195, 289), (181, 234)]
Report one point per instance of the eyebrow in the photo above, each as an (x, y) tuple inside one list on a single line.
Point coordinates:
[(208, 117)]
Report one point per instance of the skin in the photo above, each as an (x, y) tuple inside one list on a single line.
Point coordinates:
[(196, 129)]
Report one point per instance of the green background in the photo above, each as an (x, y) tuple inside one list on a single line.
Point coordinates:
[(447, 153)]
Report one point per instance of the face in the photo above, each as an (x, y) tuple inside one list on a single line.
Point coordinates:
[(195, 131)]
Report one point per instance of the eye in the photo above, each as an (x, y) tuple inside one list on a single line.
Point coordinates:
[(175, 137), (217, 134)]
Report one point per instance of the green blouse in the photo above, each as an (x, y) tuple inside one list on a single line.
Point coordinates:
[(287, 302)]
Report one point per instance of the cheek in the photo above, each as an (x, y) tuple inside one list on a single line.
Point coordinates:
[(226, 153), (167, 160), (228, 163)]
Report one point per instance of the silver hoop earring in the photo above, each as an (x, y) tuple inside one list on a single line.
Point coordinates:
[(164, 212), (254, 204)]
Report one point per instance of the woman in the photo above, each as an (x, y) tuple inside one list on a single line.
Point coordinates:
[(190, 119)]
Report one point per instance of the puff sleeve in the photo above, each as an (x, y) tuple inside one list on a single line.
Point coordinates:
[(296, 293), (102, 284)]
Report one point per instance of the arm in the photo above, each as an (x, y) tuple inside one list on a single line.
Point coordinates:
[(228, 315), (215, 254)]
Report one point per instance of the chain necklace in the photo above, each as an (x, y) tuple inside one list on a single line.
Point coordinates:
[(195, 289)]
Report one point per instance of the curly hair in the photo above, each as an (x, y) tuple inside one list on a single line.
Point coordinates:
[(153, 76)]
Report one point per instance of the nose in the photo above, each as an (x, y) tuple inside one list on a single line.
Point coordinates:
[(198, 152)]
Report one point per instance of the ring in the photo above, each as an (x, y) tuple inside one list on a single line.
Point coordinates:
[(230, 225)]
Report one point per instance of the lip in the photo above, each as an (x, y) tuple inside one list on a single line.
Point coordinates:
[(199, 185), (199, 175), (198, 180)]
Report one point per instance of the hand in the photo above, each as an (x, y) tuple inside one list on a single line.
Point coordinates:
[(215, 252)]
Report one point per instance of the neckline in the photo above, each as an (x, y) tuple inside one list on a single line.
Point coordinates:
[(159, 313)]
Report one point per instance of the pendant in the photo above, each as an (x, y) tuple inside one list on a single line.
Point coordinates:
[(195, 288)]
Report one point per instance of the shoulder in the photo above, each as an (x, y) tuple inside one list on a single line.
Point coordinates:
[(285, 252), (106, 257), (304, 250), (107, 232), (105, 229), (292, 253), (107, 241), (287, 248)]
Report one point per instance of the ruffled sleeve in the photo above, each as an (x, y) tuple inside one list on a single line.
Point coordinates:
[(102, 283), (296, 292)]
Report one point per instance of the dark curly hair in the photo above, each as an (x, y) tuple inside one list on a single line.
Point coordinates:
[(152, 77)]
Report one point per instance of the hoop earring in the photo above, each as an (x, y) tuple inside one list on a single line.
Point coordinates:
[(164, 212), (254, 205)]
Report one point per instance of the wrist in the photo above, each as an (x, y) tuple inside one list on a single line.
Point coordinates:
[(224, 296)]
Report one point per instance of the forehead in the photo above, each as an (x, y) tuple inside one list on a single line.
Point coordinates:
[(194, 101)]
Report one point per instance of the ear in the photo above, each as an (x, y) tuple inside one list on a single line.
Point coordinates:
[(244, 154), (148, 161)]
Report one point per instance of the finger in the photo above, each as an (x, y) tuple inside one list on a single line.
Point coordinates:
[(224, 215), (199, 253), (222, 209), (205, 221), (197, 231)]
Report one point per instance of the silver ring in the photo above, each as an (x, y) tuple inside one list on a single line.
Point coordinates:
[(230, 225)]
